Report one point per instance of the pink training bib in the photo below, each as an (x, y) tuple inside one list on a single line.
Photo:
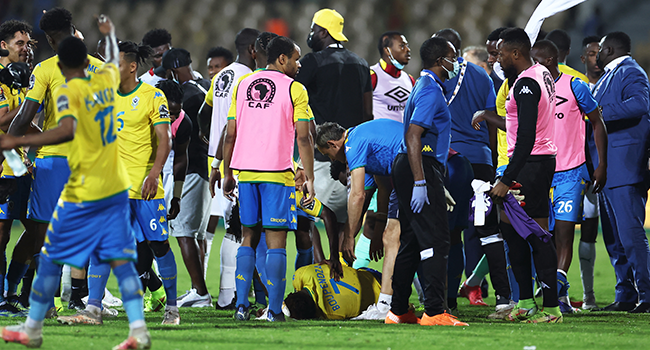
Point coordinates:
[(569, 126)]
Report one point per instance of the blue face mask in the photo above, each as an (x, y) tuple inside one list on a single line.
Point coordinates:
[(453, 73), (393, 61)]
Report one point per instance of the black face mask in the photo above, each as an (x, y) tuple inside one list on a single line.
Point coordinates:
[(313, 42), (599, 61)]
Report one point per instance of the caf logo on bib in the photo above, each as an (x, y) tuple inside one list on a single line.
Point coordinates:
[(260, 93), (223, 83), (550, 86)]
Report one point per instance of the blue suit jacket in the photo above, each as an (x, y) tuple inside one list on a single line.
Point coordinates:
[(624, 96)]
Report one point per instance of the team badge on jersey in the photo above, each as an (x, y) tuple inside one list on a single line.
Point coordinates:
[(3, 98), (134, 102), (223, 84), (62, 103), (163, 111), (32, 81), (260, 93), (550, 86)]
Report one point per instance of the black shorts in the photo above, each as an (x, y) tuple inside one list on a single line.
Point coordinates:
[(393, 205), (535, 178)]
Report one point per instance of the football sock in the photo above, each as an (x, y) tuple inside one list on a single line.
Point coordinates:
[(260, 295), (526, 303), (97, 279), (15, 274), (45, 284), (260, 257), (154, 283), (545, 259), (244, 273), (167, 268), (383, 303), (587, 254), (78, 287), (455, 268), (561, 284), (276, 262), (228, 265), (66, 283), (480, 271), (130, 288), (305, 257), (26, 287), (209, 237), (362, 252), (514, 286), (555, 311), (418, 289), (143, 264), (3, 270)]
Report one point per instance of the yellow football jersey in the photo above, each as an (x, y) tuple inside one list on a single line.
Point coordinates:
[(136, 115), (314, 209), (10, 99), (570, 71), (45, 79), (502, 141), (347, 298), (96, 170), (209, 98)]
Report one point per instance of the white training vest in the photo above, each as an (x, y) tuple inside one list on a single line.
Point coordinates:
[(390, 94)]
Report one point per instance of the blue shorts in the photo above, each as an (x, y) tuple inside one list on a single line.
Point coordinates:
[(273, 205), (96, 231), (50, 175), (148, 220), (301, 213), (459, 184), (16, 206), (567, 194)]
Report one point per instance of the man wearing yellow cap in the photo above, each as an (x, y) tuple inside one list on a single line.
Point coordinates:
[(340, 91)]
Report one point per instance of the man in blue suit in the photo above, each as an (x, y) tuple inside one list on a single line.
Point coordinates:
[(623, 92)]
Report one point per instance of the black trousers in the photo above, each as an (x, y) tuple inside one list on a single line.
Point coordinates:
[(424, 240)]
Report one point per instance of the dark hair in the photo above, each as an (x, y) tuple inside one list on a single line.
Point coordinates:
[(517, 38), (263, 40), (328, 131), (56, 20), (9, 28), (547, 47), (494, 35), (301, 305), (561, 39), (72, 52), (279, 45), (157, 37), (172, 90), (220, 51), (432, 50), (336, 168), (452, 36), (134, 52), (619, 40), (245, 38), (386, 40), (590, 39)]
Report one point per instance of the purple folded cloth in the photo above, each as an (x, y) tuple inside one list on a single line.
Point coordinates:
[(524, 225)]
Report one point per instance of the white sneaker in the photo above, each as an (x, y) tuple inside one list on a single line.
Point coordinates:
[(502, 311), (372, 313), (107, 312), (193, 299), (110, 300), (187, 292), (265, 314)]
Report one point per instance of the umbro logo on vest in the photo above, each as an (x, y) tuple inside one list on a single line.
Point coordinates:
[(398, 94), (525, 90)]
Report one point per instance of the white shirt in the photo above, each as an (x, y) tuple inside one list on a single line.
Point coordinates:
[(608, 69)]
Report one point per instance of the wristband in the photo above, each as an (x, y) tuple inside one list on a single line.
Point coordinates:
[(420, 183), (216, 163), (178, 189)]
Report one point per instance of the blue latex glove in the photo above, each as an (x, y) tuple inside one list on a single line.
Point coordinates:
[(419, 197)]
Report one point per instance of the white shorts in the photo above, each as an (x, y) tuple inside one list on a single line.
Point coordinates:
[(192, 221), (590, 204), (331, 193)]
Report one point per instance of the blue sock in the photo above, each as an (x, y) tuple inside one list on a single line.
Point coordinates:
[(514, 287), (48, 278), (562, 284), (15, 274), (130, 288), (276, 272), (2, 276), (260, 295), (260, 257), (305, 257), (244, 274), (362, 252), (167, 270), (455, 268), (97, 279)]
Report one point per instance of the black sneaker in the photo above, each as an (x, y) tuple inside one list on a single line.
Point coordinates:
[(273, 317), (76, 304), (9, 310), (243, 313), (23, 299), (14, 301), (228, 307)]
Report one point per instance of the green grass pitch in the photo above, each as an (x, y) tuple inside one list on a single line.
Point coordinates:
[(210, 329)]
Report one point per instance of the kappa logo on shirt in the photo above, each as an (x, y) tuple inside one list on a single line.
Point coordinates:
[(525, 90)]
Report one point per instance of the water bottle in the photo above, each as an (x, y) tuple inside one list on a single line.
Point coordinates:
[(15, 162)]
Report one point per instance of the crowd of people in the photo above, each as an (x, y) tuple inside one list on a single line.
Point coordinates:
[(483, 164)]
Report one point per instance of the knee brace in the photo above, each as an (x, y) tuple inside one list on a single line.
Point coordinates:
[(159, 248)]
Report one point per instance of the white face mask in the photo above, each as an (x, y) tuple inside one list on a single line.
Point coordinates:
[(451, 74), (498, 70), (393, 61)]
